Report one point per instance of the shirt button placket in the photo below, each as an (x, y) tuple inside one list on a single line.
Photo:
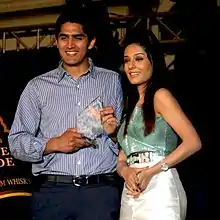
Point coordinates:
[(78, 103)]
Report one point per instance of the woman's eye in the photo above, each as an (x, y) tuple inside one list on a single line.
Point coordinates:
[(139, 58), (126, 60)]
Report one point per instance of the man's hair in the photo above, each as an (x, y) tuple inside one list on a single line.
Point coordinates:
[(79, 15)]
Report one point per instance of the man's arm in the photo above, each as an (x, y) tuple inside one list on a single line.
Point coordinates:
[(118, 107), (23, 143), (118, 101)]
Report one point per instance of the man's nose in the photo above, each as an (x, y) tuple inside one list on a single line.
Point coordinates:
[(71, 43)]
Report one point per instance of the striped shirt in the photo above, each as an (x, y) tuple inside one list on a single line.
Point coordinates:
[(49, 105)]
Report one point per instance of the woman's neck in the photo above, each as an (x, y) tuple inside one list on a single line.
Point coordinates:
[(141, 91)]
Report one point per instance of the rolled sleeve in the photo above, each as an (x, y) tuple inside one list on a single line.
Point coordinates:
[(23, 143)]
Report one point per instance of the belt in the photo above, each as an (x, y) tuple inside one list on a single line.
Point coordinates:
[(108, 178), (142, 157)]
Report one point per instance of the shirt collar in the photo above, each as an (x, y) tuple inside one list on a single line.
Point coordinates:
[(62, 72)]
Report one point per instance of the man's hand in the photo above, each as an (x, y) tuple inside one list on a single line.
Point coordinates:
[(71, 140), (108, 119)]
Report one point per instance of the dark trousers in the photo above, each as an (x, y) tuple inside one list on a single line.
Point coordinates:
[(67, 202), (17, 207)]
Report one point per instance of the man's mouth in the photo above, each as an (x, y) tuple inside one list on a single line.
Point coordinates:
[(71, 53)]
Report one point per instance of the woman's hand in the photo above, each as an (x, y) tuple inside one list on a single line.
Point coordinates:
[(131, 180), (144, 176)]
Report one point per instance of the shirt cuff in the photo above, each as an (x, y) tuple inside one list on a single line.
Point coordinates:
[(113, 145), (40, 145)]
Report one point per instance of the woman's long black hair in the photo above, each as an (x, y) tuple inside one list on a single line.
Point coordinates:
[(152, 47)]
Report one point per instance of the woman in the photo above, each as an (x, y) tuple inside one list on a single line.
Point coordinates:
[(149, 136)]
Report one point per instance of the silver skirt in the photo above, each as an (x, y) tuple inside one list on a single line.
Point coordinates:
[(163, 199)]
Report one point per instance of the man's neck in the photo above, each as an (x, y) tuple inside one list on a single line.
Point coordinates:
[(78, 70)]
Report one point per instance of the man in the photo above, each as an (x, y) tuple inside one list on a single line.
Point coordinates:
[(76, 180)]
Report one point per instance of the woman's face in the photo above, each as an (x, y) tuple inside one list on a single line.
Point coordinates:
[(137, 65)]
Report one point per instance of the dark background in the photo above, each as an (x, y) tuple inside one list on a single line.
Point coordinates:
[(194, 77)]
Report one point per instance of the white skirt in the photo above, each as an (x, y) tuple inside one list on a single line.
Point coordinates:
[(163, 199)]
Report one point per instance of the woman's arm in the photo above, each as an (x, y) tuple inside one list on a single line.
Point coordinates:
[(121, 163), (128, 174), (167, 106)]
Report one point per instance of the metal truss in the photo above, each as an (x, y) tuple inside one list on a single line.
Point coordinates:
[(32, 38), (169, 34), (38, 36)]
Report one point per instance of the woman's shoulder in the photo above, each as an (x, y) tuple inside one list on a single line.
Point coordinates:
[(163, 98), (162, 93)]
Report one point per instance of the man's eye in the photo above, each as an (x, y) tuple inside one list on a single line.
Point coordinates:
[(125, 61), (79, 38), (63, 37)]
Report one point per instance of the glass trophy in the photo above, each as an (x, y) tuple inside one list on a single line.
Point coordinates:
[(89, 121)]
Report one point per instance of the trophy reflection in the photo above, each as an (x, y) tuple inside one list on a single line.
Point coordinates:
[(89, 122)]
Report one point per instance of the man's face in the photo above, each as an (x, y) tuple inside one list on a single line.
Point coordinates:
[(73, 44)]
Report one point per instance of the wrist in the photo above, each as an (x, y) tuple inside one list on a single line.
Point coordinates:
[(52, 145), (164, 166), (153, 170), (124, 171)]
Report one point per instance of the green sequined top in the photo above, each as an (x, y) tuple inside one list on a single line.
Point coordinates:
[(162, 140)]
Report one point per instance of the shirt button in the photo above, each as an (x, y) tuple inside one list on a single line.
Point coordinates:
[(77, 86), (78, 103), (79, 162)]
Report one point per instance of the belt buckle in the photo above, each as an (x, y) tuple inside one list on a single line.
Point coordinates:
[(140, 157), (80, 180), (147, 156)]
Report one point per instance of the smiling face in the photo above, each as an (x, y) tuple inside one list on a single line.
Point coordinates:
[(137, 66), (73, 45)]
